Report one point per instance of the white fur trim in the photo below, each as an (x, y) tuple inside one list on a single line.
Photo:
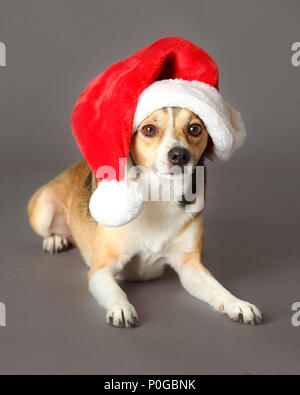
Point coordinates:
[(223, 122), (116, 203)]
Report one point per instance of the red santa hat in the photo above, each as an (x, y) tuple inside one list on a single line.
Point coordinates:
[(170, 72)]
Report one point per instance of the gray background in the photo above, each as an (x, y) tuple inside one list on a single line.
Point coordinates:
[(252, 215)]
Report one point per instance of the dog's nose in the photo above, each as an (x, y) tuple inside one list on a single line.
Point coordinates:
[(179, 156)]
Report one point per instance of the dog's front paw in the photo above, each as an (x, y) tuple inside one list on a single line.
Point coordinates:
[(122, 315), (244, 312)]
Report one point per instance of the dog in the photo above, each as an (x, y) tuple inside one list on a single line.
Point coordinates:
[(165, 233)]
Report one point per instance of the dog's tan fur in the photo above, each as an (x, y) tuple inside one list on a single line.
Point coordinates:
[(59, 211)]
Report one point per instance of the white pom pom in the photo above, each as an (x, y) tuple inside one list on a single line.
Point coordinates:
[(116, 203)]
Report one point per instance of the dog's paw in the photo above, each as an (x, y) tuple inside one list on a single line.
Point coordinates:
[(122, 315), (55, 244), (243, 312)]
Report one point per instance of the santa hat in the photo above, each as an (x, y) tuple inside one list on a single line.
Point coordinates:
[(170, 72)]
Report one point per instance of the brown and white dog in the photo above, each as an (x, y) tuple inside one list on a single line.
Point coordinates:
[(165, 233)]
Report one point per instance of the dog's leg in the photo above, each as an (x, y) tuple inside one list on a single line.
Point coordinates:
[(47, 217), (186, 259), (109, 294), (107, 263), (198, 281)]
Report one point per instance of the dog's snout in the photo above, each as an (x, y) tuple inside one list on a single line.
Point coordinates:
[(179, 156)]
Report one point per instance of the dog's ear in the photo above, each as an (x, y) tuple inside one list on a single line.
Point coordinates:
[(210, 145)]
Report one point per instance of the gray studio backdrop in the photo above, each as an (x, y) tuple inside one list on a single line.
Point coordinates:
[(53, 49)]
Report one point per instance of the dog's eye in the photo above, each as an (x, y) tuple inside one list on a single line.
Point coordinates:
[(195, 130), (149, 131)]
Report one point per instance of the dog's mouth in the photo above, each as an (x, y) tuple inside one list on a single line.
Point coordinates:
[(173, 172)]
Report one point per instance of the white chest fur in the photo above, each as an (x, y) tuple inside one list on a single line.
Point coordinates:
[(161, 218), (156, 226), (151, 237)]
